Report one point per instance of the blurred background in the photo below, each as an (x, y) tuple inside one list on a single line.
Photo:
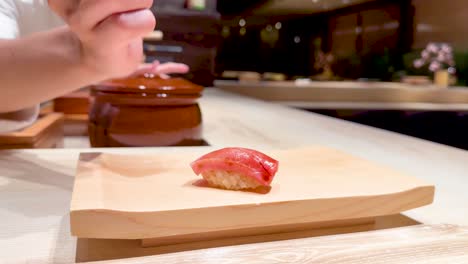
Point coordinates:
[(397, 65), (376, 40)]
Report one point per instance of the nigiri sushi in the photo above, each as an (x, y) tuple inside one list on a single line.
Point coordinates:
[(236, 168)]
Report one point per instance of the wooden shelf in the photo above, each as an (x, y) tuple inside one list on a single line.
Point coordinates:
[(73, 103), (46, 132)]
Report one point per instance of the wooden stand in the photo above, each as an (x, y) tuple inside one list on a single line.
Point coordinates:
[(75, 107), (47, 132), (262, 232), (76, 125)]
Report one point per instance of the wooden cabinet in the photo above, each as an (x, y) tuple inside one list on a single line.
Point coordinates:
[(440, 21), (191, 37)]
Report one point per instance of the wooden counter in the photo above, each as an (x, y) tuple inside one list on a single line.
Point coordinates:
[(36, 185), (353, 95)]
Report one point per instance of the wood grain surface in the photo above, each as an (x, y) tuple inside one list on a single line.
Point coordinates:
[(416, 244), (36, 185)]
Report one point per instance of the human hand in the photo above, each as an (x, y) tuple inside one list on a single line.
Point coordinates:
[(109, 33), (162, 70)]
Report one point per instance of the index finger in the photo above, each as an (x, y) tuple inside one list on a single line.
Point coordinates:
[(89, 13)]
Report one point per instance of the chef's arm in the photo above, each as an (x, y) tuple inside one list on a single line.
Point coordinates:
[(41, 67), (49, 64), (102, 40)]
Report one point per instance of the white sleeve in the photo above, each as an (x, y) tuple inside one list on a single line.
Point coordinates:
[(9, 28), (14, 121)]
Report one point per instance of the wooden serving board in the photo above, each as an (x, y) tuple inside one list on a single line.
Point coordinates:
[(46, 132), (158, 197)]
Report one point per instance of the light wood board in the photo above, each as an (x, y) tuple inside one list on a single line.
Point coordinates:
[(144, 197), (119, 249), (46, 132)]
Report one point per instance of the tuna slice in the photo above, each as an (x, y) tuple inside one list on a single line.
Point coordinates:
[(236, 168)]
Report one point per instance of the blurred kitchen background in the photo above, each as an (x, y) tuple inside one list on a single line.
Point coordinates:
[(360, 39), (399, 65)]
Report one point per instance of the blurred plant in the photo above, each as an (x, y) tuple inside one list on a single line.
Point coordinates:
[(461, 60), (379, 65), (323, 61), (438, 56), (348, 67), (270, 35)]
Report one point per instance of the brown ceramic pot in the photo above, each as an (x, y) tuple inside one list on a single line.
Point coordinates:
[(145, 111)]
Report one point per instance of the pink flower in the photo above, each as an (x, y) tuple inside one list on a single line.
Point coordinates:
[(431, 47), (418, 63), (446, 48), (425, 54), (441, 57), (434, 66)]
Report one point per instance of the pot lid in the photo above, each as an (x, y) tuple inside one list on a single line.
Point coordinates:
[(149, 83)]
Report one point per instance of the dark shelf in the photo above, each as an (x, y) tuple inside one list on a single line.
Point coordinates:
[(185, 13)]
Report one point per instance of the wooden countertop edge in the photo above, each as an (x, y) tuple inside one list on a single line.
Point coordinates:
[(378, 245), (334, 85), (375, 106)]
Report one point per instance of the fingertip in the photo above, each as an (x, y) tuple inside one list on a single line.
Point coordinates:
[(122, 28), (141, 20), (185, 68), (156, 63)]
